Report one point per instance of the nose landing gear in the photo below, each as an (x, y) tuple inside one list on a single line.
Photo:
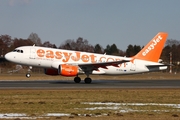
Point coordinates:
[(28, 74)]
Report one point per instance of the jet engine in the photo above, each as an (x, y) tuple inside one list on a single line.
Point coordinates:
[(64, 70)]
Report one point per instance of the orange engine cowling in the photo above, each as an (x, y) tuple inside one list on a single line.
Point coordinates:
[(64, 70), (68, 70)]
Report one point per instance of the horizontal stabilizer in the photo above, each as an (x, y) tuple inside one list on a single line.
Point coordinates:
[(157, 67), (151, 66)]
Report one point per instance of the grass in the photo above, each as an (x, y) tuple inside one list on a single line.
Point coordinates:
[(39, 102)]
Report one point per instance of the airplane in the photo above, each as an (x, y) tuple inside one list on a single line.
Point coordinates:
[(72, 63)]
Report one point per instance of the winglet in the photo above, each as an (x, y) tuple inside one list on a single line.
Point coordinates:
[(152, 51)]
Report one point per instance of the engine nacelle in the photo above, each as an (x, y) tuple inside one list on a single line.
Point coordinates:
[(64, 70), (68, 70)]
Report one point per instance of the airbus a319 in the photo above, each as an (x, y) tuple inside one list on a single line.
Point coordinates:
[(72, 63)]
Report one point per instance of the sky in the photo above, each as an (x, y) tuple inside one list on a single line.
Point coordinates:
[(120, 22)]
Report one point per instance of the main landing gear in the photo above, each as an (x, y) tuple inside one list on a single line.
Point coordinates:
[(87, 80), (77, 79)]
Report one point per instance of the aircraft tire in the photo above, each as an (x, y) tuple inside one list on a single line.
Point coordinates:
[(28, 75), (77, 79), (88, 80)]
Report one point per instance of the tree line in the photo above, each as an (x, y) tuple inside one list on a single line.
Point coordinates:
[(8, 44)]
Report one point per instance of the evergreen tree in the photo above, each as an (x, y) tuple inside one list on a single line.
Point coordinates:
[(98, 49)]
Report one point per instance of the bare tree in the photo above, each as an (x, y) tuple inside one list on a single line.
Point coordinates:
[(5, 44), (35, 39), (48, 44), (171, 42), (79, 45)]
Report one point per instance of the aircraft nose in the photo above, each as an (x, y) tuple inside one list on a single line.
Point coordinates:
[(8, 56)]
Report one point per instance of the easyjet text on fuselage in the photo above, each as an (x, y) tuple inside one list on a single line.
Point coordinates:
[(76, 56)]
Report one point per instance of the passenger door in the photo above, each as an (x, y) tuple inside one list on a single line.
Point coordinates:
[(32, 53)]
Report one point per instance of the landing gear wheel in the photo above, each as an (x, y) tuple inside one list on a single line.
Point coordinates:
[(28, 75), (77, 79), (87, 80)]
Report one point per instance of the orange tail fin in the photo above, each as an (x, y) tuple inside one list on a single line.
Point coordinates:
[(152, 51)]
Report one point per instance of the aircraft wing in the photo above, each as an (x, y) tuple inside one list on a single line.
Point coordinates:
[(95, 66)]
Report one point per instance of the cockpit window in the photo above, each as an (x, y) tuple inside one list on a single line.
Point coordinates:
[(17, 50)]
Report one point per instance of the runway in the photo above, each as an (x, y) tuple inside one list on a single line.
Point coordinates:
[(96, 84)]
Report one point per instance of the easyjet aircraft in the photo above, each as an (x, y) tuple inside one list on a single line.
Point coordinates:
[(71, 63)]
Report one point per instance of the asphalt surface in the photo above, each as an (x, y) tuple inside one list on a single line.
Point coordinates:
[(96, 84)]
